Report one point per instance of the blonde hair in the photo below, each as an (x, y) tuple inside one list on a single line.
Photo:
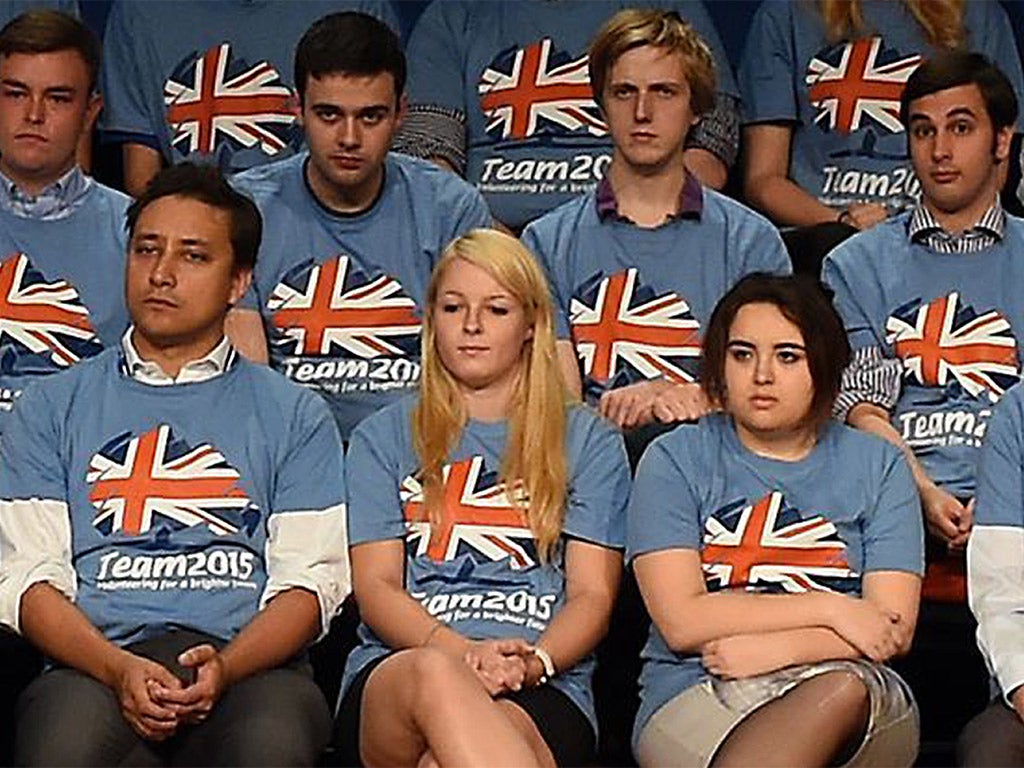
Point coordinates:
[(636, 27), (533, 468), (941, 20)]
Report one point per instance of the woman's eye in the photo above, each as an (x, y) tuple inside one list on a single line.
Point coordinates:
[(449, 307)]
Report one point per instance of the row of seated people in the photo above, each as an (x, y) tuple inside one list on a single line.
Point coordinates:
[(500, 92), (351, 233)]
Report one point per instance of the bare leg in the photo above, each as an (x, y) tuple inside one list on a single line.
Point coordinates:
[(819, 717), (424, 700), (525, 725)]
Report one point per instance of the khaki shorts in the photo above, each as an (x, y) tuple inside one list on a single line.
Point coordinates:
[(689, 729)]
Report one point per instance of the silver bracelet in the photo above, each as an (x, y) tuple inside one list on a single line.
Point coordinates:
[(546, 662)]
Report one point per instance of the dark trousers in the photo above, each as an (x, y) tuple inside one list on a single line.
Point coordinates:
[(278, 717), (808, 246), (993, 738)]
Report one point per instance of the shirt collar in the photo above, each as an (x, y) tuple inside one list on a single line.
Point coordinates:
[(56, 201), (691, 200), (212, 365), (923, 225)]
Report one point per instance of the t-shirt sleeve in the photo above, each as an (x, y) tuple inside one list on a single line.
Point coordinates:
[(372, 469), (467, 209), (664, 508), (599, 486), (35, 528), (767, 66), (126, 107), (893, 533), (534, 241), (996, 40), (307, 543), (850, 306)]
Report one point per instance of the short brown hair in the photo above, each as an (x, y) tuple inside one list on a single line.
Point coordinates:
[(801, 300), (636, 27), (48, 31)]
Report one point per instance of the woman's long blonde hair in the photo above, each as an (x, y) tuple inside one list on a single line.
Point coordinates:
[(942, 20), (534, 459)]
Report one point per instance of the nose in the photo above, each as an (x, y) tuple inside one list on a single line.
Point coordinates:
[(471, 320), (350, 135), (35, 110), (161, 275), (642, 108), (764, 372), (941, 145)]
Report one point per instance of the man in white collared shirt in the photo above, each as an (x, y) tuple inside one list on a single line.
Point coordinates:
[(172, 530)]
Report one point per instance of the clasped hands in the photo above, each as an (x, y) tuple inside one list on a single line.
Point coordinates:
[(156, 703), (506, 664)]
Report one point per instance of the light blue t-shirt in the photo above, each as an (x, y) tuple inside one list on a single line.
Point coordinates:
[(844, 97), (481, 574), (61, 289), (764, 525), (635, 301), (171, 491), (952, 319), (342, 296)]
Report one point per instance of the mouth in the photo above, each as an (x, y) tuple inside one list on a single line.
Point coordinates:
[(160, 302), (472, 350), (643, 136), (347, 162), (944, 176), (34, 137), (763, 401)]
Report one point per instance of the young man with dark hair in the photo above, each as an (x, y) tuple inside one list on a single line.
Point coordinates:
[(172, 529), (62, 236), (209, 81), (352, 230), (638, 264), (932, 304)]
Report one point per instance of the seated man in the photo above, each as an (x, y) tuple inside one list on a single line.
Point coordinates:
[(62, 238), (172, 529), (637, 265), (500, 92), (352, 229), (932, 305)]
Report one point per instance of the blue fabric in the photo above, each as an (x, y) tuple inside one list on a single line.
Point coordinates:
[(150, 54), (81, 258), (897, 295), (850, 148), (669, 279), (72, 438), (1001, 466), (459, 51), (484, 581), (379, 262), (699, 488)]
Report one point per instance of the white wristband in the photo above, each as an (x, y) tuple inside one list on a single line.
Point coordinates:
[(546, 662)]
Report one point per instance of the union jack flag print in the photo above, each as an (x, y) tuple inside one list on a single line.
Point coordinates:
[(42, 317), (319, 306), (140, 482), (945, 341), (859, 80), (534, 90), (768, 546), (212, 99), (624, 331), (477, 517)]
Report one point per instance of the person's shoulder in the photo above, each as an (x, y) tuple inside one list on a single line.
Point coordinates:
[(882, 242), (265, 182), (721, 207), (570, 215), (114, 200), (849, 442), (88, 376), (421, 173), (583, 422), (383, 426)]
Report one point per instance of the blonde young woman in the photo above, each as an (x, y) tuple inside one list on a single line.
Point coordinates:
[(485, 517), (821, 82), (779, 554)]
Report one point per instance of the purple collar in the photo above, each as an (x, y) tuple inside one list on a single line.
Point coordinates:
[(691, 200)]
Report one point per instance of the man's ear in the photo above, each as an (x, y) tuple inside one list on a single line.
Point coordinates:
[(240, 282), (1004, 137)]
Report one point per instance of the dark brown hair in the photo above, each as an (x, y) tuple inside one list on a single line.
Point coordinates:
[(803, 302), (48, 31)]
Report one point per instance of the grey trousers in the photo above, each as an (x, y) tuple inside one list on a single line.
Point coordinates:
[(278, 717)]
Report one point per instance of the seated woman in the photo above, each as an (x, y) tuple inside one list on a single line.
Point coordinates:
[(486, 519), (779, 554)]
